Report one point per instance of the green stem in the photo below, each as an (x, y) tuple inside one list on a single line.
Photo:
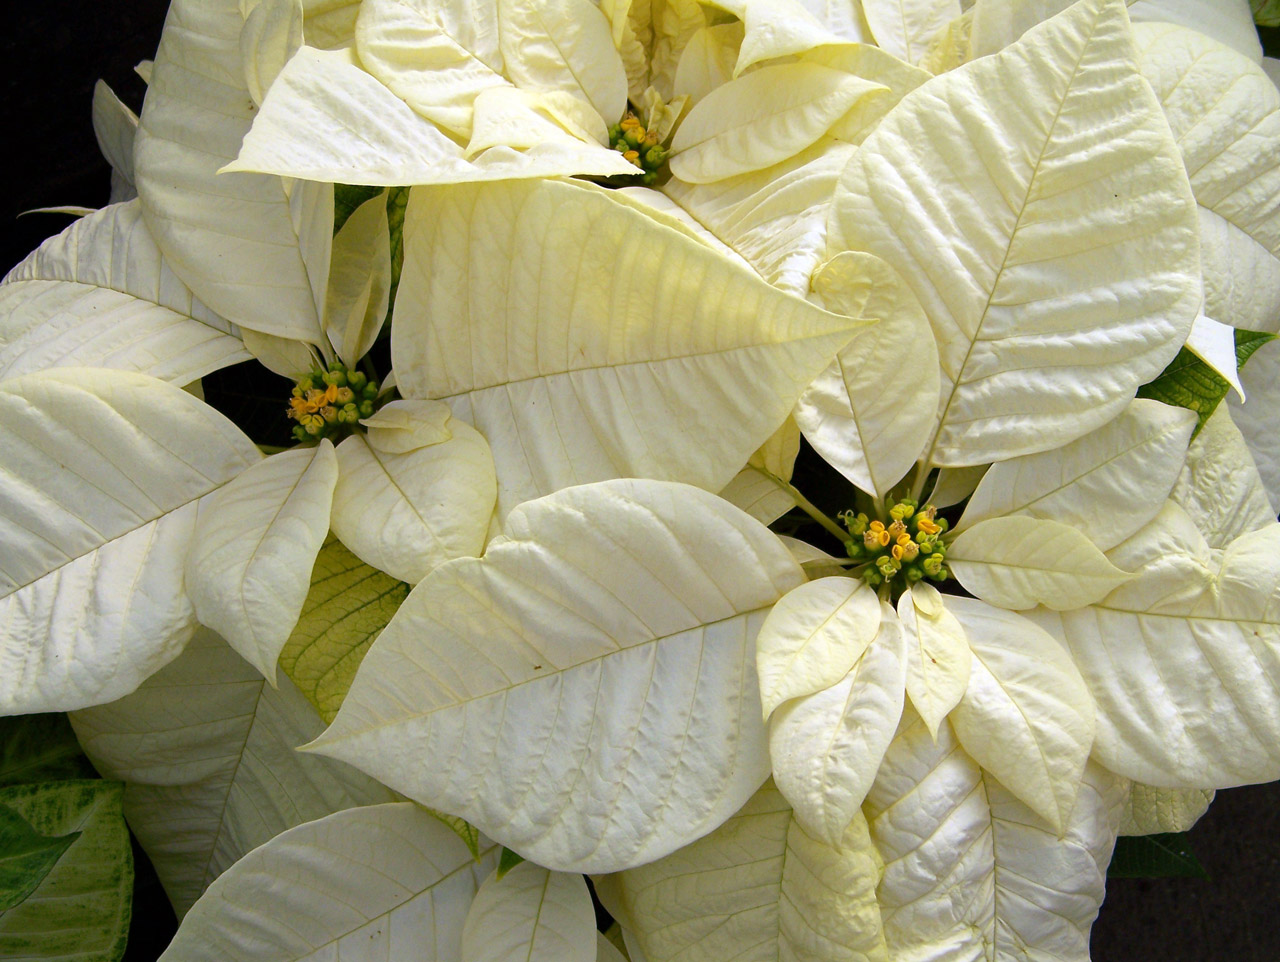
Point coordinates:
[(809, 508)]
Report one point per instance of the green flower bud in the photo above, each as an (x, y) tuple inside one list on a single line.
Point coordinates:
[(366, 409), (914, 573), (872, 577), (370, 391), (336, 378), (633, 136), (655, 157), (855, 551), (356, 380)]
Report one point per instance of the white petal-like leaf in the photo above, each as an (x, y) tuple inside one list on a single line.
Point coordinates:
[(972, 874), (1220, 486), (905, 27), (826, 747), (205, 748), (1226, 21), (359, 281), (1241, 277), (1155, 811), (1032, 201), (604, 645), (1027, 716), (114, 127), (272, 33), (98, 490), (758, 887), (255, 543), (1182, 661), (405, 512), (1021, 562), (776, 28), (254, 248), (762, 118), (1256, 418), (75, 301), (1108, 483), (587, 338), (938, 657), (1215, 344), (384, 881), (813, 637), (865, 414), (531, 914)]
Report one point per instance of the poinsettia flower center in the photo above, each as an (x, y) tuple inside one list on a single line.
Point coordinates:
[(329, 403), (900, 549), (640, 145)]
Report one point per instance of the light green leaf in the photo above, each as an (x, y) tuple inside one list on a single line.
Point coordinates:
[(970, 873), (1033, 202), (905, 27), (255, 543), (1201, 629), (207, 751), (813, 637), (1027, 716), (563, 45), (762, 118), (1020, 562), (1215, 344), (1219, 486), (574, 652), (826, 747), (359, 281), (98, 492), (1156, 811), (40, 748), (254, 248), (530, 914), (348, 604), (865, 414), (81, 907), (1266, 13), (1107, 484), (937, 650), (1155, 856), (646, 338), (26, 857), (434, 56), (77, 301), (408, 511), (757, 887), (507, 861), (383, 880)]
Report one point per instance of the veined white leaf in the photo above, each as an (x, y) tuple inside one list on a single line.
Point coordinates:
[(98, 490), (1153, 811), (758, 887), (1108, 483), (998, 23), (254, 248), (255, 543), (708, 59), (434, 56), (281, 355), (1241, 277), (406, 512), (606, 951), (826, 747), (955, 484), (1020, 562), (114, 127), (383, 881), (756, 489), (563, 45), (76, 301), (870, 413), (1225, 115), (762, 118), (605, 646), (905, 27), (326, 119), (531, 914), (205, 748), (1182, 660), (1256, 420), (1027, 715), (938, 657), (587, 338), (776, 28), (1219, 486), (272, 33), (813, 637), (775, 218), (359, 281), (330, 24), (1227, 21), (972, 874), (1032, 201)]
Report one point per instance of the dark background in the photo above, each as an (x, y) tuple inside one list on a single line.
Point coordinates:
[(51, 57)]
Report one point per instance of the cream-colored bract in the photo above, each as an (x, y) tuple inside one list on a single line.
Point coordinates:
[(1220, 487), (604, 646), (531, 914), (938, 656), (205, 748), (101, 475), (382, 880), (1153, 811)]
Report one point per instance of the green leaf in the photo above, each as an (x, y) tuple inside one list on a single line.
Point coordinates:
[(40, 748), (26, 857), (1155, 856), (349, 603), (397, 203), (1266, 13), (82, 906), (1188, 382), (507, 861), (469, 834), (346, 198)]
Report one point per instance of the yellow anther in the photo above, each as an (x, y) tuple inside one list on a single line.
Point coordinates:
[(897, 530), (630, 122), (901, 511), (634, 157), (928, 526)]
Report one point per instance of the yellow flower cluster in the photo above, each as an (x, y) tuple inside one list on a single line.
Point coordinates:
[(330, 402), (910, 545), (638, 145)]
